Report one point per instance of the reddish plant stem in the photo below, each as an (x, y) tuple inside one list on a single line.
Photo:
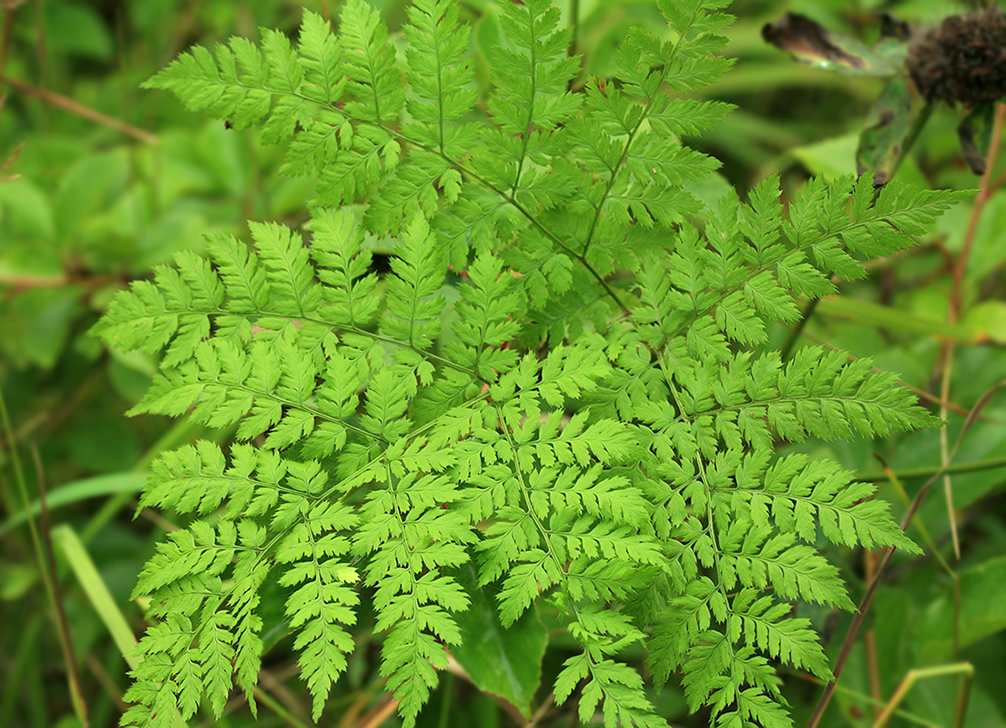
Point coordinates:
[(988, 187), (987, 190)]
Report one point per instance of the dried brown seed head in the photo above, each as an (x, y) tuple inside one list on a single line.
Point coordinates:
[(963, 59)]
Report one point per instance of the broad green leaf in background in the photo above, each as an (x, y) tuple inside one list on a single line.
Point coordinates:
[(895, 615), (16, 580), (103, 485), (36, 325), (874, 314), (26, 211), (988, 319), (830, 158), (982, 612), (88, 187), (504, 662), (936, 699), (77, 30), (836, 156)]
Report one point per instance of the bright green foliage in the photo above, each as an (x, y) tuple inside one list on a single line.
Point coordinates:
[(587, 418)]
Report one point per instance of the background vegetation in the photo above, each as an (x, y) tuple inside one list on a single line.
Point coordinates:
[(100, 181)]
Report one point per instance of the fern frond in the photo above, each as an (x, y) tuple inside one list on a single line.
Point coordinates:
[(320, 607), (370, 64), (441, 79), (342, 264), (563, 379), (413, 540), (204, 651), (532, 97), (414, 311)]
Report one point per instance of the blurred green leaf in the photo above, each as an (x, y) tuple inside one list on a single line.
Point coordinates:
[(25, 211), (830, 158), (104, 445), (16, 580), (35, 325), (502, 661), (130, 373), (937, 700), (988, 319), (88, 186), (78, 491), (895, 614), (982, 612), (77, 30), (873, 314)]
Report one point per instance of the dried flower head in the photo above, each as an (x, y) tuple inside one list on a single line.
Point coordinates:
[(963, 59)]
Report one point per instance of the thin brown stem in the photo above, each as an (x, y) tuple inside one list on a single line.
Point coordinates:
[(988, 188), (6, 164), (870, 562), (68, 104), (885, 560), (56, 597), (17, 284)]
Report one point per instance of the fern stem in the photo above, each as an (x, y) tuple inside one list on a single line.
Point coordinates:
[(516, 205), (794, 333), (406, 345), (527, 496), (549, 234), (559, 564), (411, 436), (632, 134), (526, 135)]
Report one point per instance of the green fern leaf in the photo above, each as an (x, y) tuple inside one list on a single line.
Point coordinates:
[(562, 378)]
